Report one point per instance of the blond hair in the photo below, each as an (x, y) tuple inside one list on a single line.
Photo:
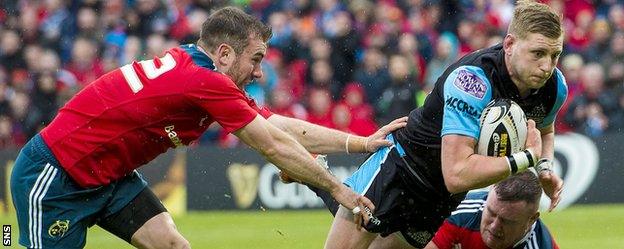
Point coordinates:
[(533, 17)]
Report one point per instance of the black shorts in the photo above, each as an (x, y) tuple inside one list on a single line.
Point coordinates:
[(130, 218), (404, 201)]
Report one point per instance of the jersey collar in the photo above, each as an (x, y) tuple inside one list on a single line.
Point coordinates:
[(527, 236)]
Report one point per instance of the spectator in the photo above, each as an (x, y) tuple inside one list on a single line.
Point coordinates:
[(446, 52), (589, 112), (362, 115), (341, 118), (320, 105), (400, 97), (373, 75), (283, 103), (85, 64), (10, 137), (11, 55)]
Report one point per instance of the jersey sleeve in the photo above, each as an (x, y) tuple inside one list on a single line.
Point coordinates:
[(562, 94), (220, 97), (446, 236), (263, 111), (467, 91)]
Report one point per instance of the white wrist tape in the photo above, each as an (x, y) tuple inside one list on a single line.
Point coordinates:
[(544, 164), (521, 161)]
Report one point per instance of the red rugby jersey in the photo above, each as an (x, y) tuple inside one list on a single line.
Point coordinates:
[(129, 116), (461, 229)]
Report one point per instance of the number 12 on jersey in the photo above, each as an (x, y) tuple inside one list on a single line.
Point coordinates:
[(150, 69)]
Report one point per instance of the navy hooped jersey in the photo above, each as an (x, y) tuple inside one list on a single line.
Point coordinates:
[(457, 100), (462, 228)]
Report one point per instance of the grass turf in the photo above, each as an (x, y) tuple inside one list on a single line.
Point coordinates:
[(580, 226)]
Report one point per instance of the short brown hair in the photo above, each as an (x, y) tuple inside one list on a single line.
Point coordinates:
[(520, 187), (232, 26), (534, 17)]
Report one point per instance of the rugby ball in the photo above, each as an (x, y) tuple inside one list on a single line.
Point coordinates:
[(503, 129)]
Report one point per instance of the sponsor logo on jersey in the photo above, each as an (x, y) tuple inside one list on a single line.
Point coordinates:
[(462, 106), (59, 228), (173, 135), (471, 84)]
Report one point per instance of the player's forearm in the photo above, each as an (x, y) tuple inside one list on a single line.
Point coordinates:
[(548, 145), (318, 139), (295, 161), (475, 172), (288, 155)]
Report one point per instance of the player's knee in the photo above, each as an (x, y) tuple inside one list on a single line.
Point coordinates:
[(164, 240), (178, 242)]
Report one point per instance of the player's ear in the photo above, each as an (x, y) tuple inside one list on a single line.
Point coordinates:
[(508, 42), (225, 54)]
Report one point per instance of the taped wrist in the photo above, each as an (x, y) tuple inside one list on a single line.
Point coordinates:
[(543, 164), (520, 161)]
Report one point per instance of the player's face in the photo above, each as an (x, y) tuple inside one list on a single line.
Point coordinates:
[(504, 223), (532, 60), (247, 65)]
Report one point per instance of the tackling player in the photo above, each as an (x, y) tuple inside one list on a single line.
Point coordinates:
[(80, 170), (506, 217), (416, 183)]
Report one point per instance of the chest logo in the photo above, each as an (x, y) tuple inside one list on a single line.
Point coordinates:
[(470, 83)]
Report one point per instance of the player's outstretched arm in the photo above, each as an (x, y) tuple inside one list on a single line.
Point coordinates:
[(464, 170), (321, 140), (289, 156)]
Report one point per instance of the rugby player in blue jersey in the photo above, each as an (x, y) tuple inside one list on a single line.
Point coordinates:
[(416, 183)]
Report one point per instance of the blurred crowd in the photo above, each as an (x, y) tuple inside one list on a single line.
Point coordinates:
[(349, 65)]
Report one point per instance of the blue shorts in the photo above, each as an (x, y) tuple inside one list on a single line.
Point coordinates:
[(53, 211), (402, 204)]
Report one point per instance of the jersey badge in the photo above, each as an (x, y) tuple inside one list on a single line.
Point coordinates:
[(471, 84)]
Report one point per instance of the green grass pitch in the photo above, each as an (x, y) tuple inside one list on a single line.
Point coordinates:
[(580, 226)]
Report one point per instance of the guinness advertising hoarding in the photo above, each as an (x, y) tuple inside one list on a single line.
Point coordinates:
[(209, 178)]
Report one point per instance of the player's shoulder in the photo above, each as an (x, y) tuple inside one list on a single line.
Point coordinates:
[(562, 85), (469, 211), (206, 71)]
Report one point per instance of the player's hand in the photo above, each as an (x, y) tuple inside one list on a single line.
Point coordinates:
[(552, 185), (355, 203), (378, 139), (534, 139)]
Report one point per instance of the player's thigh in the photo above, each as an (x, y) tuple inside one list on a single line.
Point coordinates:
[(52, 210), (344, 233), (143, 222), (159, 232), (392, 241)]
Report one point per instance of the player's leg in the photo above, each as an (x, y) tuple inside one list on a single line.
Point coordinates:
[(52, 210), (143, 221), (344, 233), (159, 232), (374, 179), (393, 241)]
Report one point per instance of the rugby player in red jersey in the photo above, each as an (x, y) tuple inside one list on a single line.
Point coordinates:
[(506, 217), (80, 170)]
